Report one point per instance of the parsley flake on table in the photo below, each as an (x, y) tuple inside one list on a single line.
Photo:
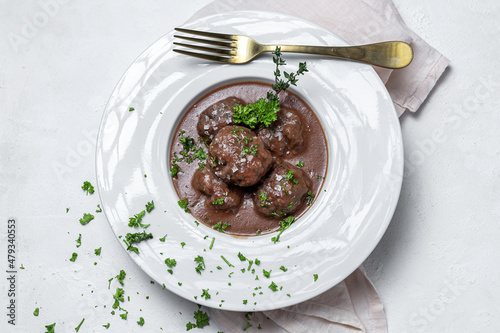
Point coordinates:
[(67, 210), (315, 276), (131, 109), (79, 325), (150, 206), (73, 257), (241, 256), (98, 251), (99, 209), (140, 322), (120, 277), (162, 239), (36, 312), (106, 326), (267, 274), (79, 240), (118, 297), (201, 318), (50, 328), (124, 315), (86, 218), (87, 187), (283, 268), (184, 205)]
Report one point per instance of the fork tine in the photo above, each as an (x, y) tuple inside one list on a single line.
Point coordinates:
[(206, 49), (207, 41), (205, 56), (206, 34)]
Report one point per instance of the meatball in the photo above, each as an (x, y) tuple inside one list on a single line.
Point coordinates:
[(217, 116), (220, 196), (238, 156), (283, 192), (285, 135)]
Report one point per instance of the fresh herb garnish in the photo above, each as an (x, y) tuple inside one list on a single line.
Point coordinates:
[(201, 320), (140, 322), (136, 238), (211, 243), (267, 274), (201, 264), (86, 218), (184, 205), (221, 227), (219, 201), (135, 221), (205, 294), (99, 209), (175, 169), (273, 286), (285, 224), (170, 262), (36, 312), (162, 239), (79, 240), (121, 276), (300, 164), (309, 198), (150, 206), (98, 251), (118, 297), (315, 276), (227, 262), (79, 325), (241, 256), (73, 257), (106, 326), (50, 328), (261, 112), (283, 268), (87, 187), (131, 109)]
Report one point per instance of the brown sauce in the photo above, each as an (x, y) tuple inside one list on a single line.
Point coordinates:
[(246, 221)]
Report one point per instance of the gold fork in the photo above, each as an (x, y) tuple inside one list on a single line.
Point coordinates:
[(237, 49)]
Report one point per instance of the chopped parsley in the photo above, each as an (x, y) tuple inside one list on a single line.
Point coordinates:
[(201, 264), (261, 112), (50, 328), (131, 109), (106, 326), (315, 276), (118, 297), (241, 256), (99, 209), (170, 262), (283, 268), (222, 228), (79, 325), (140, 322), (120, 277), (300, 164), (73, 257), (201, 320), (263, 198), (124, 315), (184, 205), (87, 187), (162, 239), (205, 294), (211, 243), (79, 240), (219, 201), (289, 175), (267, 274), (150, 206), (36, 312), (135, 239), (285, 224), (175, 169), (136, 221), (227, 262), (273, 286), (86, 218), (309, 198)]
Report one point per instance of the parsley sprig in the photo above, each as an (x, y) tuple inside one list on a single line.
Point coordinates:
[(264, 111)]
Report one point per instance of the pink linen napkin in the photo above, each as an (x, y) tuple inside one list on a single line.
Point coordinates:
[(353, 305)]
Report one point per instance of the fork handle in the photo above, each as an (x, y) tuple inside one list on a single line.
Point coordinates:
[(386, 54)]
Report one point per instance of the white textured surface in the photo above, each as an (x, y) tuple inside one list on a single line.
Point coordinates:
[(436, 268)]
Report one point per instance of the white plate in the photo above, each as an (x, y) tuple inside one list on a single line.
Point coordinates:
[(334, 236)]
